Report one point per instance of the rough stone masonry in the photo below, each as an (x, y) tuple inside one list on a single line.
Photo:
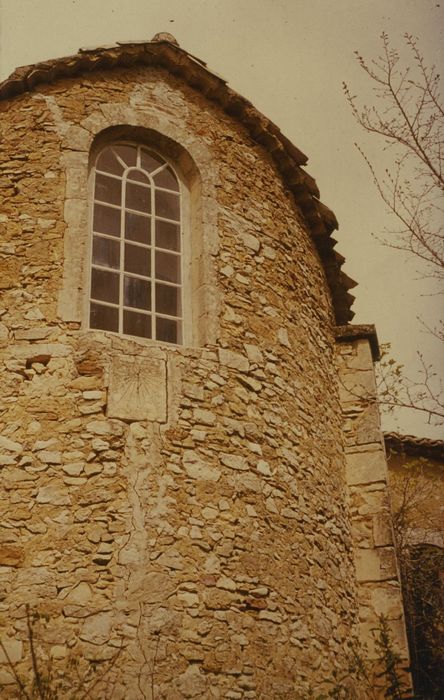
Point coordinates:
[(180, 513)]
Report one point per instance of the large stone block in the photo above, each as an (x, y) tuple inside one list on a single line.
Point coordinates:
[(197, 468), (382, 529), (97, 628), (11, 555), (365, 467), (11, 651), (137, 389), (357, 386), (386, 600), (375, 564), (361, 359), (368, 566)]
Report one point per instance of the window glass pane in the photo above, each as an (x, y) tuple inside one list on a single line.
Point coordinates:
[(138, 228), (137, 293), (105, 286), (168, 330), (167, 205), (139, 176), (167, 235), (137, 324), (149, 161), (108, 162), (104, 317), (108, 189), (168, 300), (106, 252), (106, 220), (138, 260), (166, 178), (167, 267), (127, 153), (138, 197), (128, 204)]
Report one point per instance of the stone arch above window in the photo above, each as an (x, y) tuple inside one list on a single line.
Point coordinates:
[(137, 257)]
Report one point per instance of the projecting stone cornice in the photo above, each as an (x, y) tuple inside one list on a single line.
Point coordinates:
[(363, 331), (164, 52)]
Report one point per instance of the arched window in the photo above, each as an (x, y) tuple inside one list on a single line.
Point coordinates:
[(136, 263)]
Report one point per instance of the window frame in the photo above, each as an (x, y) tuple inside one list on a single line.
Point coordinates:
[(184, 253)]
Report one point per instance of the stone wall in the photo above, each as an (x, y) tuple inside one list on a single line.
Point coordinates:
[(369, 498), (185, 504)]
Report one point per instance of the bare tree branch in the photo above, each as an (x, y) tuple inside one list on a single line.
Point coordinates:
[(409, 116), (395, 390)]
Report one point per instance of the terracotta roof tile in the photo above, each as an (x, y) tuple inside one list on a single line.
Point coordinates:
[(410, 444)]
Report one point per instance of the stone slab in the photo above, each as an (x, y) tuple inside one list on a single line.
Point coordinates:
[(137, 389), (365, 467)]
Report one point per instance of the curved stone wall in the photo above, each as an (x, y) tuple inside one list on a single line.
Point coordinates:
[(183, 503)]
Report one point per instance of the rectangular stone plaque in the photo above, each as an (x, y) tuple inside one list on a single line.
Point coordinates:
[(137, 389)]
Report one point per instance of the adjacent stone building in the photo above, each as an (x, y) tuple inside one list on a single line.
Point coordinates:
[(193, 493), (416, 480)]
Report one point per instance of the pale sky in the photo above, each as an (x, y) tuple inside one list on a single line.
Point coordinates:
[(289, 57)]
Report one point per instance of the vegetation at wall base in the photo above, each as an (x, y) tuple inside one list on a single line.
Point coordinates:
[(74, 681), (384, 676)]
